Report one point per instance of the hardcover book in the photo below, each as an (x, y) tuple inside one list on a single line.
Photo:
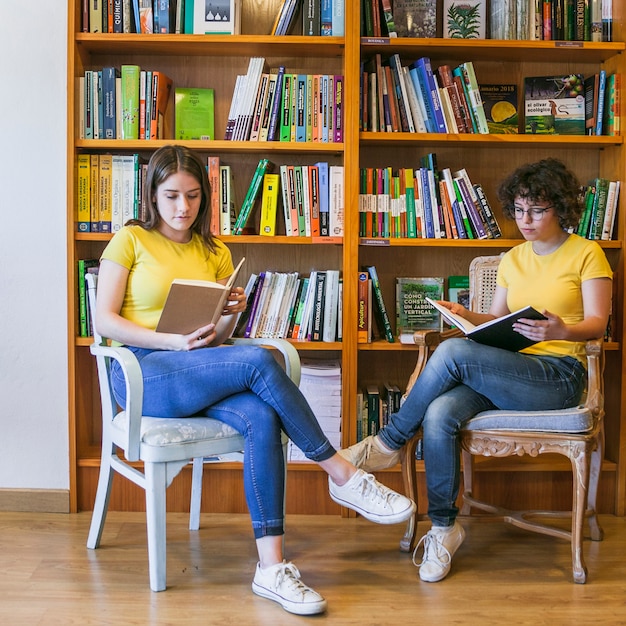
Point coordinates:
[(380, 310), (191, 304), (501, 108), (498, 332), (413, 311), (554, 105), (415, 18), (458, 290), (194, 113)]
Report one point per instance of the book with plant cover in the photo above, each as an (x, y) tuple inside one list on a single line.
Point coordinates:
[(498, 332), (191, 304), (464, 19)]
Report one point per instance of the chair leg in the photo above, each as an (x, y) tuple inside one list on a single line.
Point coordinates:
[(156, 484), (101, 504), (196, 493), (467, 462), (595, 469), (580, 470), (409, 478)]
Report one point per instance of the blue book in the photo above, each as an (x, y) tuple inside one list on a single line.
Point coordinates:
[(109, 74), (424, 102), (322, 168), (276, 105), (326, 18), (429, 225), (601, 99), (431, 94)]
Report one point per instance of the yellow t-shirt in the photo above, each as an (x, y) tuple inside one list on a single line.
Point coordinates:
[(154, 261), (553, 282)]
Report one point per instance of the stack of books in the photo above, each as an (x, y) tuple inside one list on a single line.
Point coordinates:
[(320, 384)]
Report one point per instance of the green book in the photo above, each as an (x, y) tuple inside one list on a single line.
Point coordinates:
[(194, 113), (413, 312), (264, 166), (130, 101)]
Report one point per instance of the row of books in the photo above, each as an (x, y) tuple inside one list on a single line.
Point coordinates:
[(317, 17), (573, 104), (320, 384), (285, 305), (568, 20), (424, 203), (124, 103), (600, 208), (554, 20), (108, 191), (375, 403), (218, 17), (413, 98), (274, 105)]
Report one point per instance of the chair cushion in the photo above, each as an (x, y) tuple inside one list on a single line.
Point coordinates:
[(161, 431), (577, 419)]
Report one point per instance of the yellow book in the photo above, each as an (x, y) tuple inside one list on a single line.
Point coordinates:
[(83, 202), (105, 198), (269, 203), (94, 193)]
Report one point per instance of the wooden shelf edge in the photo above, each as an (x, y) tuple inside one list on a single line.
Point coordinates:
[(210, 45), (519, 140)]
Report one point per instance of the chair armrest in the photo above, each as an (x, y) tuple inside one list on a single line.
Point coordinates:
[(594, 348), (134, 392), (290, 354)]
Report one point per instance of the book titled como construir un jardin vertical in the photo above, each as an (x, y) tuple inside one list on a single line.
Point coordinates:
[(413, 311)]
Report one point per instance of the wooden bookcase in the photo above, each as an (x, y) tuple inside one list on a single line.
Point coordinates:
[(214, 62)]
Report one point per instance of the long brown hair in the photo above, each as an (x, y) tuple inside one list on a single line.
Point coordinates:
[(166, 161)]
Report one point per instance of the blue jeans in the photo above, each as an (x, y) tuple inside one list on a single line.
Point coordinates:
[(247, 389), (460, 379)]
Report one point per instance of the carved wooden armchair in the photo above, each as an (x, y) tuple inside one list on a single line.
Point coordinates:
[(577, 433)]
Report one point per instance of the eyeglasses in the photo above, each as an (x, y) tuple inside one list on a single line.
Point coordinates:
[(536, 213)]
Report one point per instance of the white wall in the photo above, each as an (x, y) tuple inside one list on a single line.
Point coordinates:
[(33, 291)]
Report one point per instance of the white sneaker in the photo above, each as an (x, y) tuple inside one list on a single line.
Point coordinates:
[(370, 456), (281, 583), (375, 502), (440, 544)]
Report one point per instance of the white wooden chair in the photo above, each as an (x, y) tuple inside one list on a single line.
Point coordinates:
[(164, 445), (576, 432)]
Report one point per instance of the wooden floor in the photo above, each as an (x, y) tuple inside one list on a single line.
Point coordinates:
[(501, 575)]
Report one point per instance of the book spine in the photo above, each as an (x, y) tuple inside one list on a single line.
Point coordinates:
[(324, 196), (426, 74), (338, 110), (487, 211), (382, 309), (318, 307), (104, 193), (269, 202), (130, 101), (601, 103), (83, 186), (475, 221), (213, 166), (275, 115), (362, 308)]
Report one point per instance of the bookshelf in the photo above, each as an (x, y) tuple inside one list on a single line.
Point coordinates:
[(214, 61)]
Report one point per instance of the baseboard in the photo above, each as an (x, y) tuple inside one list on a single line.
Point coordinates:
[(35, 500)]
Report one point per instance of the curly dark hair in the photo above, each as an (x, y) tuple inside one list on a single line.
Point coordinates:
[(166, 161), (548, 180)]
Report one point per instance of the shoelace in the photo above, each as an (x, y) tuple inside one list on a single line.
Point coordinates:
[(434, 550), (289, 572), (373, 490)]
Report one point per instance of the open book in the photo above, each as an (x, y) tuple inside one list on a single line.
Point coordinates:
[(191, 304), (497, 332)]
